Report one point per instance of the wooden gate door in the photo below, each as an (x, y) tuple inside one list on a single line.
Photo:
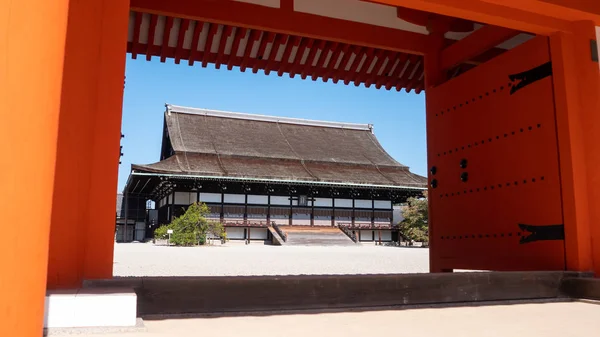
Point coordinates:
[(495, 193)]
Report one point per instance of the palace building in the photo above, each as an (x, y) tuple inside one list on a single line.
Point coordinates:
[(257, 172)]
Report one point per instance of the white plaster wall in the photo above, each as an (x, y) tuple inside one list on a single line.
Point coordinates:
[(280, 200), (323, 202), (258, 199), (235, 233), (301, 219), (321, 221), (362, 203), (358, 11), (233, 217), (387, 204), (280, 221), (258, 233), (343, 203), (234, 198), (210, 197), (385, 235), (185, 198), (366, 235), (301, 222)]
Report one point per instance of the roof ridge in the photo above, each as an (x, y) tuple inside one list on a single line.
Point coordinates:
[(265, 118)]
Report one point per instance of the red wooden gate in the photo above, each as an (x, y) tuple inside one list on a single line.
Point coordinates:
[(495, 198)]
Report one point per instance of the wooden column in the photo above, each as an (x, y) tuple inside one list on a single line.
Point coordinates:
[(372, 211), (31, 62), (222, 215), (332, 211), (245, 207), (87, 158), (312, 211), (291, 210), (434, 75), (577, 90), (353, 212), (269, 209)]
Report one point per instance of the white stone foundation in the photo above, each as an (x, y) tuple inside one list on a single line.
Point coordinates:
[(90, 307)]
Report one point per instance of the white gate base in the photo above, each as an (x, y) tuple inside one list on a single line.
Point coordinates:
[(90, 307)]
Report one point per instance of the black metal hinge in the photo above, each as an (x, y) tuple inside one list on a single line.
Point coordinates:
[(523, 79), (594, 50), (542, 233)]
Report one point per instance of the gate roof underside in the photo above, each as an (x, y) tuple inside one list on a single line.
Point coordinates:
[(365, 43), (205, 143)]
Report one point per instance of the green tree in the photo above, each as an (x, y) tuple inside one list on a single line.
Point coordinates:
[(192, 227), (416, 215)]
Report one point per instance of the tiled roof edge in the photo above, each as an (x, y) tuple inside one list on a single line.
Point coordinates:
[(264, 118)]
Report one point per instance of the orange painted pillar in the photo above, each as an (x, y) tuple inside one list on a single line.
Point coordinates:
[(98, 258), (31, 58), (577, 88), (434, 75), (83, 214)]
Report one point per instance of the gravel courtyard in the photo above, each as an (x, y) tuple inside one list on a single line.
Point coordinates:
[(146, 259)]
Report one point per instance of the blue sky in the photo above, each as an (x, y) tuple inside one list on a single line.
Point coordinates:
[(398, 118)]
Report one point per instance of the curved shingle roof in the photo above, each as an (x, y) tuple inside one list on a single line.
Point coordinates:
[(214, 143)]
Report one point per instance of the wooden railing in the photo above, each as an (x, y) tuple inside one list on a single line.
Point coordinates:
[(280, 232), (349, 233), (365, 225)]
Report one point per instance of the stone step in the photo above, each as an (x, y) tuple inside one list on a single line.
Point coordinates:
[(306, 237)]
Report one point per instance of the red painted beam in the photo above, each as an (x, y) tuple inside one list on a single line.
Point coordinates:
[(391, 61), (227, 30), (240, 33), (381, 56), (280, 40), (475, 44), (334, 60), (165, 40), (212, 31), (306, 43), (489, 13), (136, 32), (287, 22), (311, 57), (360, 55), (572, 10), (183, 27), (412, 79), (254, 35), (291, 43), (266, 39), (151, 33), (195, 39), (362, 75), (262, 64), (398, 72), (348, 52), (330, 47)]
